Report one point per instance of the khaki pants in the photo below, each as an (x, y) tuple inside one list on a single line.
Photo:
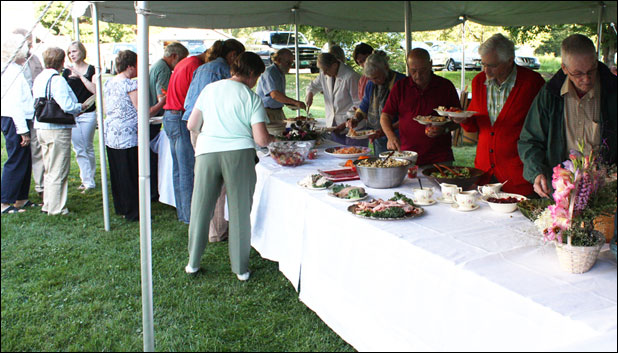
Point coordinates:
[(56, 151), (237, 170), (38, 169), (275, 115)]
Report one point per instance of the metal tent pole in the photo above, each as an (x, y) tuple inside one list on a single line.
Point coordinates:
[(76, 28), (600, 31), (143, 138), (463, 53), (407, 24), (296, 56), (99, 98)]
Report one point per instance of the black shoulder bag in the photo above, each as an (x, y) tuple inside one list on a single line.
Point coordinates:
[(46, 110)]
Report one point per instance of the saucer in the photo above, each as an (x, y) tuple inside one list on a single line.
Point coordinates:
[(431, 202), (456, 206), (442, 200)]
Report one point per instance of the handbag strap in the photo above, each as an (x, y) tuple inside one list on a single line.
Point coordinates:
[(48, 88)]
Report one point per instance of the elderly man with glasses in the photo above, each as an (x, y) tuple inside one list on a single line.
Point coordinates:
[(578, 105), (501, 96)]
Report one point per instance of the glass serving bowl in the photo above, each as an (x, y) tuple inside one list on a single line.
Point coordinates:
[(289, 153)]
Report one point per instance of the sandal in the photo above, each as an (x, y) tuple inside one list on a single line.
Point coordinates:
[(13, 209), (30, 204)]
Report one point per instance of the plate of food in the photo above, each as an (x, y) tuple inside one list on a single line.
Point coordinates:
[(432, 120), (360, 135), (299, 118), (347, 152), (343, 174), (315, 182), (398, 207), (348, 193)]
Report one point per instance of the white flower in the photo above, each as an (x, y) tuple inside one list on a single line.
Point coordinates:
[(544, 220)]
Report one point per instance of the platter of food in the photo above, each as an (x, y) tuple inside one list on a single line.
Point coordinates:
[(398, 207), (432, 120), (348, 193), (299, 118), (360, 135), (337, 175), (315, 182), (347, 151)]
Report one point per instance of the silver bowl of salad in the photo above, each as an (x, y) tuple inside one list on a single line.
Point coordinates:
[(382, 174)]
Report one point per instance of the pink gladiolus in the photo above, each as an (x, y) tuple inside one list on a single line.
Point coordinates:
[(560, 216)]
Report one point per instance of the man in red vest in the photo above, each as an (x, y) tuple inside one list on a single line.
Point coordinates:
[(501, 96)]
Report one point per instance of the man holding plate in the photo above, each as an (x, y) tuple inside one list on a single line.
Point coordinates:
[(420, 94), (501, 94)]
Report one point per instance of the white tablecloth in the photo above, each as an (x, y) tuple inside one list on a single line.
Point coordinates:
[(161, 146), (448, 280)]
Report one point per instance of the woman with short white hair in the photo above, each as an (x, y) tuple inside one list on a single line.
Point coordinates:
[(17, 112)]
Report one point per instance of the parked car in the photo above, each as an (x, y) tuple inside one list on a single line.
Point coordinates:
[(266, 43), (448, 56), (109, 61), (524, 56)]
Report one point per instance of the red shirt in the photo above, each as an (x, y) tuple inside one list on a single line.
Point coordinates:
[(496, 151), (180, 81), (408, 101)]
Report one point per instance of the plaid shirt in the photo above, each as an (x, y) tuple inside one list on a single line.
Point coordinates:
[(498, 93)]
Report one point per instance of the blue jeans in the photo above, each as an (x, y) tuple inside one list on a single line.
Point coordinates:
[(183, 162)]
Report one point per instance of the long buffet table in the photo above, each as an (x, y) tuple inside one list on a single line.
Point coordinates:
[(448, 280)]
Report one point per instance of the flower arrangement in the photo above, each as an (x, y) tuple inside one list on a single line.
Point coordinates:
[(581, 193), (300, 131)]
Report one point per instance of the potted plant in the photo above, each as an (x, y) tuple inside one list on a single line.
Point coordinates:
[(582, 192)]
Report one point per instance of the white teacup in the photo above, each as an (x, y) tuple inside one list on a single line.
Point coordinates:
[(489, 189), (449, 191), (423, 195), (466, 199)]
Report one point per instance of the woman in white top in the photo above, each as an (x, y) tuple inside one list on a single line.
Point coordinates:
[(228, 119), (55, 139), (339, 83), (17, 111)]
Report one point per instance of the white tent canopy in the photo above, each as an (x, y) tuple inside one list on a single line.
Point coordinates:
[(370, 16)]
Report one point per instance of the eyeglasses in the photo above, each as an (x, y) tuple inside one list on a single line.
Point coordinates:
[(490, 66), (579, 75)]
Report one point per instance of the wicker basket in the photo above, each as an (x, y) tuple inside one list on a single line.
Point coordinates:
[(579, 259)]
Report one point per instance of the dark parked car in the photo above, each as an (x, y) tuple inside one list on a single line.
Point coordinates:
[(267, 42)]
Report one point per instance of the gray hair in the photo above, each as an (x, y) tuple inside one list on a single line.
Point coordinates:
[(577, 44), (337, 52), (176, 48), (326, 60), (503, 46), (378, 61), (10, 45)]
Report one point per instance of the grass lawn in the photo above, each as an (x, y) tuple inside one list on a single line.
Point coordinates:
[(67, 285)]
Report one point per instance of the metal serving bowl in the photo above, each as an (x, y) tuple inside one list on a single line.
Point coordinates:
[(382, 178)]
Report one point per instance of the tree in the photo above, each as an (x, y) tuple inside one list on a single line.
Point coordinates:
[(555, 34)]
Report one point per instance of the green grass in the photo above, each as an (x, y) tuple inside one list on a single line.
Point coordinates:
[(67, 285)]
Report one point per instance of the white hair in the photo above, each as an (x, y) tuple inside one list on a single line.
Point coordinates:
[(10, 46), (378, 61), (503, 46)]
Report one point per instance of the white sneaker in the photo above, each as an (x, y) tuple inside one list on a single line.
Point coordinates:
[(191, 270), (244, 276)]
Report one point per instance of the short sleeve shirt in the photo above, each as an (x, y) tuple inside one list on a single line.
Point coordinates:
[(271, 80), (81, 92), (180, 81), (229, 109), (159, 74), (409, 100), (121, 116)]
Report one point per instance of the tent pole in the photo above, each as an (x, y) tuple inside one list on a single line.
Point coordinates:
[(143, 138), (99, 104), (463, 54), (407, 24), (76, 28), (297, 57), (600, 31)]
